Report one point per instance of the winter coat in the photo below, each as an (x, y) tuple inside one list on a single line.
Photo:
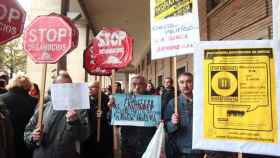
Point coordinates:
[(21, 107), (167, 95), (91, 146), (7, 147), (59, 136)]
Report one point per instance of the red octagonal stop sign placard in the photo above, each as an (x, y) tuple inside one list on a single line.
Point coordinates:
[(47, 39), (12, 18), (91, 67), (112, 48)]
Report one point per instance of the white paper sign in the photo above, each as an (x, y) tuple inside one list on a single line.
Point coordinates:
[(156, 147), (227, 132), (174, 27), (68, 96)]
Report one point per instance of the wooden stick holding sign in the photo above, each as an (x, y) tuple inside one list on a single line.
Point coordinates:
[(239, 155), (99, 109), (175, 85), (93, 69), (42, 94), (115, 129), (107, 43)]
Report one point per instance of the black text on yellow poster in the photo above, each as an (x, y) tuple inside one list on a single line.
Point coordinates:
[(168, 8), (240, 95)]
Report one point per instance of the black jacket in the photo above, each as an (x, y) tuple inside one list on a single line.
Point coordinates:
[(21, 108), (7, 148), (167, 95), (91, 146)]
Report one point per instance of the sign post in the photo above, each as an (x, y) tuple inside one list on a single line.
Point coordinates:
[(42, 93), (46, 40), (93, 69), (112, 50), (175, 85), (99, 110), (239, 155), (12, 19), (115, 129)]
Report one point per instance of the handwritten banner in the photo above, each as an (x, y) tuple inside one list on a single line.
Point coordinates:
[(140, 110), (174, 27)]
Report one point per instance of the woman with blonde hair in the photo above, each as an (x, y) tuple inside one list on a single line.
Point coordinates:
[(21, 107)]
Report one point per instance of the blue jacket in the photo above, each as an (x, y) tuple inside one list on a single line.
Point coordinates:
[(180, 134)]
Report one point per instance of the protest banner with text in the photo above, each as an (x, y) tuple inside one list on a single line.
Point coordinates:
[(238, 108), (174, 27), (136, 110)]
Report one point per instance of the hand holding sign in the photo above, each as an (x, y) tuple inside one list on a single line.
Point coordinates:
[(71, 116), (175, 118), (111, 102), (37, 134)]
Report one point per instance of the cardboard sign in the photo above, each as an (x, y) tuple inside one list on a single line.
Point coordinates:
[(238, 108), (140, 110), (70, 96), (112, 48), (48, 38), (12, 19), (174, 27), (91, 67)]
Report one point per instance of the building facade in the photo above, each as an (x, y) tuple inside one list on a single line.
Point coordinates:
[(219, 20)]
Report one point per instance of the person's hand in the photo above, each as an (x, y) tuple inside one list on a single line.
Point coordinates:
[(71, 116), (36, 134), (111, 102), (175, 118), (98, 113), (161, 121)]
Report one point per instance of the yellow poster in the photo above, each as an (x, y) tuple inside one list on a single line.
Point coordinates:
[(240, 101), (168, 8)]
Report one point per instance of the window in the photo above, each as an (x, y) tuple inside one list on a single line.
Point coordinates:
[(211, 4), (181, 70), (160, 80)]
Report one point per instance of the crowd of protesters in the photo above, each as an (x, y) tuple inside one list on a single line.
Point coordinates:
[(73, 133)]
